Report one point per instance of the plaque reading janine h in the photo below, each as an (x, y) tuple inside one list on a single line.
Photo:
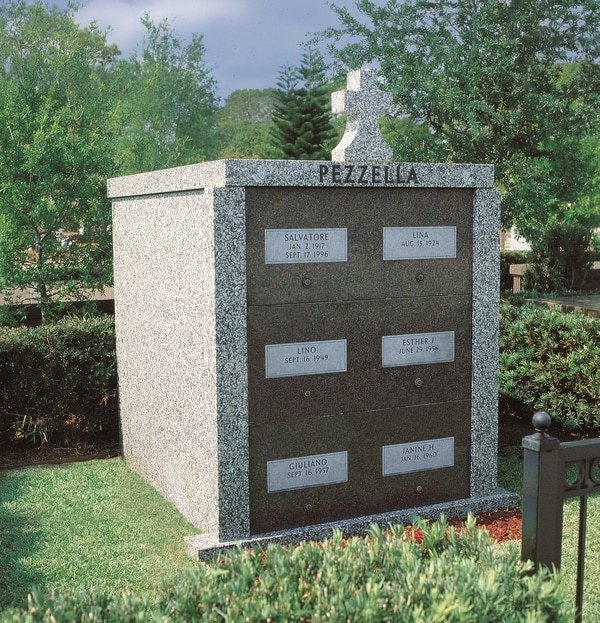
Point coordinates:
[(303, 246), (414, 349), (423, 243), (418, 456), (302, 358), (307, 471)]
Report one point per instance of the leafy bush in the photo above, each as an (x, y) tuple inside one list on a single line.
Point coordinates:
[(432, 574), (560, 258), (508, 257), (550, 361), (58, 382)]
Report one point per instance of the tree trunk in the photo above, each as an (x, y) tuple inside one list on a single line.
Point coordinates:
[(42, 290)]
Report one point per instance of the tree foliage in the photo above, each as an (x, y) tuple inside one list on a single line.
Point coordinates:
[(56, 151), (72, 113), (514, 83), (303, 127), (244, 124), (167, 101)]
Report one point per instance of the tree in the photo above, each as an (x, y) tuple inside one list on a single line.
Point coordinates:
[(168, 102), (303, 128), (56, 138), (514, 83), (244, 124)]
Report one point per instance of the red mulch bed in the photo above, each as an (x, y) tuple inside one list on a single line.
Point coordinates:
[(502, 525)]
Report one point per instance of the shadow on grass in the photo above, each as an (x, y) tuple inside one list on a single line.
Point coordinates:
[(19, 537)]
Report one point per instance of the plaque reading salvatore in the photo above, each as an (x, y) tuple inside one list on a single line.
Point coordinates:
[(307, 471), (423, 243), (302, 358), (414, 349), (303, 246)]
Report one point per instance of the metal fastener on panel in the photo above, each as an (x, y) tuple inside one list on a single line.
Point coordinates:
[(308, 507), (306, 282), (420, 277), (307, 393), (419, 489), (419, 382)]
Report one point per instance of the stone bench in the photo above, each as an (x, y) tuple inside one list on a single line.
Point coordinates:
[(517, 271)]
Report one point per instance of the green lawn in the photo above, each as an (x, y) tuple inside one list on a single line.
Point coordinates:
[(510, 476), (98, 525), (90, 525)]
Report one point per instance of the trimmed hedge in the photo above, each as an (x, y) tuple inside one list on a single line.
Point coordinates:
[(433, 574), (58, 383), (550, 361)]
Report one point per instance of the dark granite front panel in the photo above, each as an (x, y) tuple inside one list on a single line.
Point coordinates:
[(366, 385), (367, 490), (364, 212)]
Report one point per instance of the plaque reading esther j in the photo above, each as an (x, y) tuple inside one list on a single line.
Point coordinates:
[(417, 348), (301, 358), (302, 246), (423, 243)]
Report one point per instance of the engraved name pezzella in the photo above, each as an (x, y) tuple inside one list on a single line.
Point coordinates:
[(367, 174)]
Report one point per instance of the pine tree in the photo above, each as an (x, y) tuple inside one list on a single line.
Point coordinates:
[(303, 128)]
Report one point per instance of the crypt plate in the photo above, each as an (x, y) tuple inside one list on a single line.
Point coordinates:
[(307, 471), (423, 243), (418, 456), (303, 358), (414, 349), (303, 246)]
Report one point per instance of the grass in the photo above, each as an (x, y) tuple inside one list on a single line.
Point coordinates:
[(510, 476), (99, 525), (88, 525)]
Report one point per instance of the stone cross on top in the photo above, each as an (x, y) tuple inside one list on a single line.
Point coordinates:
[(363, 102)]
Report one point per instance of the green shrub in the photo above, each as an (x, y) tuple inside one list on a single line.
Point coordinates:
[(508, 257), (550, 361), (443, 576), (58, 383), (560, 258)]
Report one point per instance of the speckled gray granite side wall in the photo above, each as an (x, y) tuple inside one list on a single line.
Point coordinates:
[(232, 362), (165, 317), (486, 288)]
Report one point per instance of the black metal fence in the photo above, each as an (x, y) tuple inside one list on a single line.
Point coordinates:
[(553, 472)]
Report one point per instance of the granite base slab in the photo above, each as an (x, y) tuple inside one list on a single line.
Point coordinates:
[(205, 547)]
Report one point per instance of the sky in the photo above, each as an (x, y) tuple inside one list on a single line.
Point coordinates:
[(247, 41)]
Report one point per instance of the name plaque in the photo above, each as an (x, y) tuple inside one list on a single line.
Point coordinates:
[(303, 246), (307, 471), (423, 243), (303, 358), (414, 349), (418, 456)]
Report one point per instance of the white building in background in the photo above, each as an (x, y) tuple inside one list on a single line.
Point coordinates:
[(511, 241)]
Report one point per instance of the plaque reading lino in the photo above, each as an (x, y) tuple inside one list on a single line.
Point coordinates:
[(302, 358), (301, 246), (418, 456), (423, 243), (307, 471), (417, 348)]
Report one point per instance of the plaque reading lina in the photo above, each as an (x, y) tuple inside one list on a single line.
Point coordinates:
[(415, 349), (418, 456), (307, 471), (423, 243), (303, 358), (302, 246)]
